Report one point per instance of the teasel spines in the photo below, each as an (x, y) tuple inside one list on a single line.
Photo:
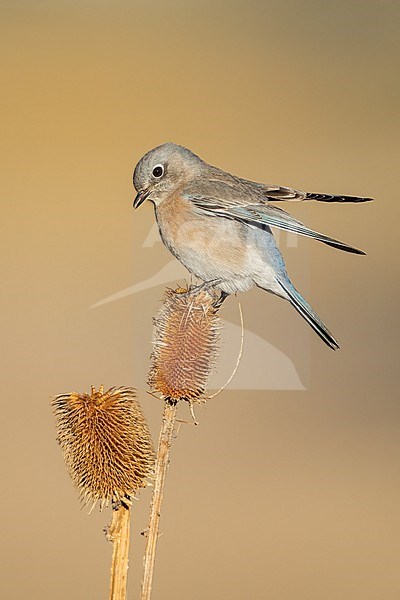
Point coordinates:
[(186, 337), (106, 443)]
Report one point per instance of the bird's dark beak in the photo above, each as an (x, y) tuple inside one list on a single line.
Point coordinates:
[(140, 198)]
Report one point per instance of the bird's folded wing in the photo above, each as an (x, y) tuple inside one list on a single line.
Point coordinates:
[(259, 215)]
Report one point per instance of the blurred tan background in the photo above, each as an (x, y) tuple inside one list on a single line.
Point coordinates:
[(282, 494)]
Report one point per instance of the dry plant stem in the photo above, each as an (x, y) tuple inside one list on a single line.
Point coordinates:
[(118, 534), (164, 444)]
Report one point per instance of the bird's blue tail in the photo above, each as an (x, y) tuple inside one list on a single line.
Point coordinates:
[(308, 314)]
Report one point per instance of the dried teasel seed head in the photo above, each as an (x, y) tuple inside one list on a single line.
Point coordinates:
[(186, 336), (106, 443)]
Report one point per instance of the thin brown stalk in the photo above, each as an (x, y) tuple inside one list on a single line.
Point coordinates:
[(186, 334), (164, 444), (119, 534)]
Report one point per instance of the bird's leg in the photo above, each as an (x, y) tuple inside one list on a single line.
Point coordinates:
[(209, 285), (218, 303), (205, 286)]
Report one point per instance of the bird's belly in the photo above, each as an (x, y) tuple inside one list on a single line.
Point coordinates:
[(216, 249)]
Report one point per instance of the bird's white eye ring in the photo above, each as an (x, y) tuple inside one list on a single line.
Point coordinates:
[(158, 171)]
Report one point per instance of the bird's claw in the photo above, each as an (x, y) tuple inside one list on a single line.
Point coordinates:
[(218, 303), (196, 289)]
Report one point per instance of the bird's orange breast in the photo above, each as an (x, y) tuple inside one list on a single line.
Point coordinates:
[(199, 239)]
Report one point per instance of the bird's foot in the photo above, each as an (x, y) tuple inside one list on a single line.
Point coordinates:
[(219, 302), (206, 286)]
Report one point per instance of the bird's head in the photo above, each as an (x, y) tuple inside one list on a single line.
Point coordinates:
[(161, 172)]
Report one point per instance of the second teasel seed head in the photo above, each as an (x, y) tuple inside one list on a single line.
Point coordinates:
[(106, 443)]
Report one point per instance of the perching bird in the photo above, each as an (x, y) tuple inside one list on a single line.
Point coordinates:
[(219, 226)]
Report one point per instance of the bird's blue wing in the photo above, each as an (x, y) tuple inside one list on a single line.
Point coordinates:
[(258, 215)]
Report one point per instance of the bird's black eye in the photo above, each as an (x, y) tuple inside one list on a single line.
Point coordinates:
[(158, 171)]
